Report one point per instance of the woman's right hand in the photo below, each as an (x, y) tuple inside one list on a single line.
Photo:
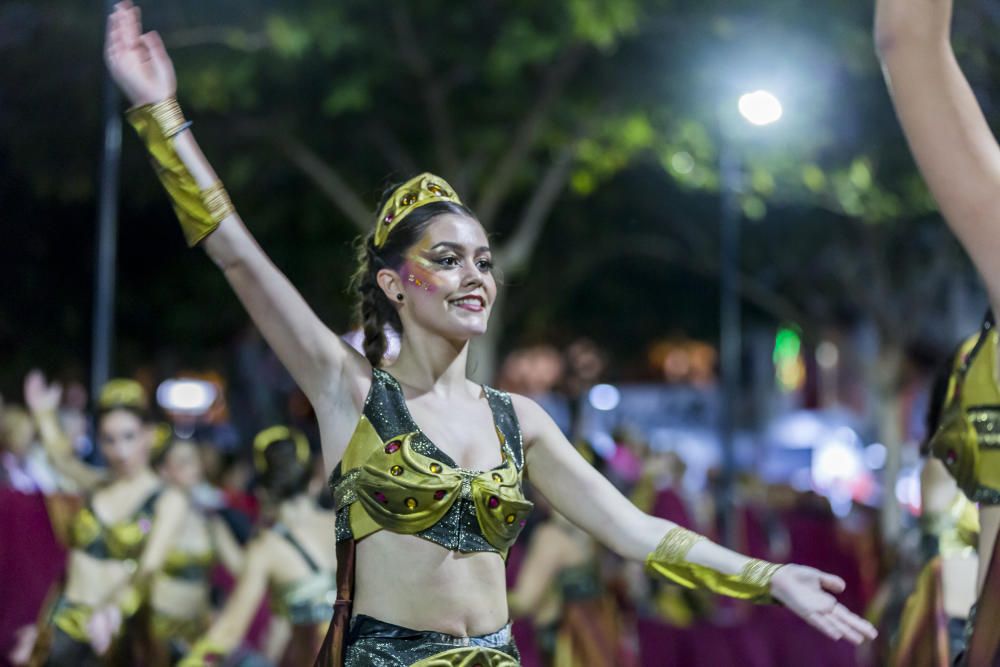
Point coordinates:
[(138, 62), (40, 396)]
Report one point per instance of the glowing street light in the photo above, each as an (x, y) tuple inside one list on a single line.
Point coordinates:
[(760, 107)]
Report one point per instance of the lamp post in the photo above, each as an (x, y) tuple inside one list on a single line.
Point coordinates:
[(758, 108)]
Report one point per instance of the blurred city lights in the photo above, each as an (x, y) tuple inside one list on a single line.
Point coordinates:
[(835, 462), (875, 454), (760, 107), (186, 396), (789, 369), (604, 397), (827, 355)]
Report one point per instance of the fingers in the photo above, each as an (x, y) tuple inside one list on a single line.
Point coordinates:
[(855, 622), (832, 582), (846, 631), (822, 623)]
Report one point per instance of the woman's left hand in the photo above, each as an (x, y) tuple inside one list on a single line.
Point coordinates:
[(807, 592), (102, 627)]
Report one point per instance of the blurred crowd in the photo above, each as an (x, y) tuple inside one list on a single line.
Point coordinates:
[(257, 495)]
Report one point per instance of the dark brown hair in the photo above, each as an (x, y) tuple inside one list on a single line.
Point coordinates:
[(286, 475), (374, 309)]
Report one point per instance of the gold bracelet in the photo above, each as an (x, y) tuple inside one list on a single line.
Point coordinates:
[(759, 572), (675, 545), (217, 202), (168, 117)]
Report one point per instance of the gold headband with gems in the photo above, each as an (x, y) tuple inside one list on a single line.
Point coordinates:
[(416, 192), (269, 436)]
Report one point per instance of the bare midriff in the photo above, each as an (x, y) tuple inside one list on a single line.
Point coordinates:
[(179, 598), (415, 583), (89, 580)]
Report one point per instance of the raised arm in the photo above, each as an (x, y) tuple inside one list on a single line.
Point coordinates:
[(589, 500), (43, 400), (948, 135), (322, 365)]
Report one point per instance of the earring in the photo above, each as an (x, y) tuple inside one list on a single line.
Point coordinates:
[(399, 297)]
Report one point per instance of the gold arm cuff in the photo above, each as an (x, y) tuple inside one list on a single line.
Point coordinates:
[(669, 560), (203, 654), (199, 211), (168, 117)]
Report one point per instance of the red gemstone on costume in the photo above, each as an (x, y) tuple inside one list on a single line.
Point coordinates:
[(439, 494), (388, 217), (494, 502), (379, 496), (392, 447), (522, 523), (951, 457)]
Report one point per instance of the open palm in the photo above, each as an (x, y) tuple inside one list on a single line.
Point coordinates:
[(808, 593), (138, 61)]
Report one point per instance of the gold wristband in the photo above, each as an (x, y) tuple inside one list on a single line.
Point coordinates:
[(759, 573), (669, 560), (217, 202), (199, 211), (203, 654), (168, 117)]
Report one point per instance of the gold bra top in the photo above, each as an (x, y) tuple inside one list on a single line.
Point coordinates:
[(967, 440), (122, 540), (393, 477)]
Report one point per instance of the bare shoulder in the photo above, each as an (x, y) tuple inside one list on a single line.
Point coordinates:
[(534, 420), (172, 501)]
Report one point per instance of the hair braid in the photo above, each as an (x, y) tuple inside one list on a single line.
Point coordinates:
[(374, 310)]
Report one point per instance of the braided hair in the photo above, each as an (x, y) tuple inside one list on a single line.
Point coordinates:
[(374, 310)]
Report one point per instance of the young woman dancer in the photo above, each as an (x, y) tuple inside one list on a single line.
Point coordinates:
[(294, 557), (120, 537), (960, 160), (180, 593), (428, 485)]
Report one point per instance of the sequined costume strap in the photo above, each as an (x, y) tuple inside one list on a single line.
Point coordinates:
[(506, 422), (282, 529)]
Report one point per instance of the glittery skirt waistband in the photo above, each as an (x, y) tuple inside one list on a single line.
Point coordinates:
[(377, 643)]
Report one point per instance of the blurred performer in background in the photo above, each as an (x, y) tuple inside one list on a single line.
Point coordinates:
[(120, 538), (431, 509), (180, 593), (960, 160), (932, 628), (293, 557)]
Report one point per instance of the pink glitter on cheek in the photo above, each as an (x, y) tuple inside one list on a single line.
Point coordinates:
[(419, 276)]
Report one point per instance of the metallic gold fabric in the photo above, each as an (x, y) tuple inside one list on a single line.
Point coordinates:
[(124, 540), (968, 438), (669, 560), (392, 477), (122, 392), (416, 192), (203, 654), (199, 212), (469, 657), (72, 618), (188, 566)]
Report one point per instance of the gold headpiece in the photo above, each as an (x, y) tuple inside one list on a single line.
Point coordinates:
[(122, 393), (162, 435), (274, 434), (416, 192)]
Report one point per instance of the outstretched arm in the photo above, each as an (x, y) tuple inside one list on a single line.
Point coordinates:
[(229, 628), (590, 501), (322, 365), (950, 139)]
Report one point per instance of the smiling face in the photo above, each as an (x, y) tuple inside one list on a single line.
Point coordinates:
[(125, 442), (446, 279)]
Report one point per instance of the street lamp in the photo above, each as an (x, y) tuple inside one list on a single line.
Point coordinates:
[(758, 108)]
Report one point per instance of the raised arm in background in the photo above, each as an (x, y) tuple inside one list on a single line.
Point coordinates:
[(43, 401)]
